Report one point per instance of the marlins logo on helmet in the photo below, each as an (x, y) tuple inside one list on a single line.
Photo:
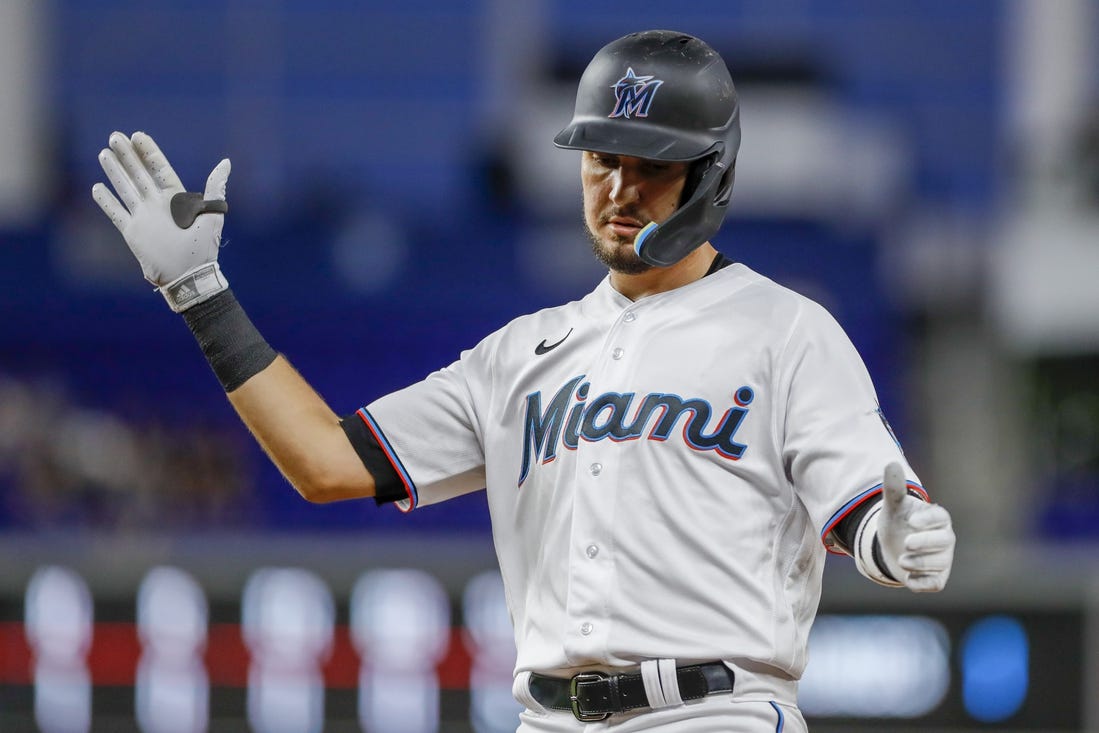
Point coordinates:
[(634, 95)]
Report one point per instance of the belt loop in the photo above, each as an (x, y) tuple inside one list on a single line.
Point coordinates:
[(650, 675), (669, 681)]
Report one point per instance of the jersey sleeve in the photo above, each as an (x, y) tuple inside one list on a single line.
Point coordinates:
[(430, 434), (836, 441)]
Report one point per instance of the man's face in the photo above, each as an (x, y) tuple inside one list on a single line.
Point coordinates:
[(622, 195)]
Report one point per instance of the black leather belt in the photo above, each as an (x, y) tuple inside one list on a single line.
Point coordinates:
[(592, 696)]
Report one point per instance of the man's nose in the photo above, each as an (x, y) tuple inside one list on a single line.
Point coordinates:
[(624, 188)]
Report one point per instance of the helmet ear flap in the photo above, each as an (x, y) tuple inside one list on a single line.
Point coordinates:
[(697, 172), (693, 223), (725, 188)]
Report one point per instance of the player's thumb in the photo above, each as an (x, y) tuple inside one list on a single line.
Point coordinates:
[(215, 184), (894, 489)]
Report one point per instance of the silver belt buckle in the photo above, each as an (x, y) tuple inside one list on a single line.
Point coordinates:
[(576, 711)]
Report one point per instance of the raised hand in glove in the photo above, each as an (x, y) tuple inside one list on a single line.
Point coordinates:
[(173, 234), (917, 539)]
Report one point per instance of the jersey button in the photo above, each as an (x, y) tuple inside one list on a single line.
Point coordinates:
[(586, 628), (617, 354), (630, 317), (591, 551), (596, 469)]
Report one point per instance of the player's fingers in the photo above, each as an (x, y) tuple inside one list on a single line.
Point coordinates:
[(934, 562), (156, 162), (929, 541), (929, 516), (114, 210), (123, 147), (926, 582), (119, 178), (219, 178), (894, 488)]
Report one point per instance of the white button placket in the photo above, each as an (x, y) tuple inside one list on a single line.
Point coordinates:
[(591, 556), (589, 569)]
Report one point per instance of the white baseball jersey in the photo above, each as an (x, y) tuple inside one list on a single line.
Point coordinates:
[(660, 473)]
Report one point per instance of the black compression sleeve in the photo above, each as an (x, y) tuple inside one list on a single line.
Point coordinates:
[(231, 343), (388, 486), (844, 532), (879, 560)]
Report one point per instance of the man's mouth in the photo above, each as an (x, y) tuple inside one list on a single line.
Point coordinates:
[(625, 226)]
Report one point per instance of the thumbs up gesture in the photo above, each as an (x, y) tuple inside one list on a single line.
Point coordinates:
[(917, 539)]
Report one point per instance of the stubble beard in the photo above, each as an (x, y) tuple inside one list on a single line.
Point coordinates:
[(619, 256)]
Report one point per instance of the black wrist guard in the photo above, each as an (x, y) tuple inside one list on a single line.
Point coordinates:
[(235, 349)]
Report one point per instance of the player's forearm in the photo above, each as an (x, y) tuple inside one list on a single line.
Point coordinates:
[(301, 434), (290, 420)]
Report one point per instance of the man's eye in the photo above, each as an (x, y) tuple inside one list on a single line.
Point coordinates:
[(607, 161)]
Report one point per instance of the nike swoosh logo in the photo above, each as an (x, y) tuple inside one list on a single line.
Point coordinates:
[(543, 349)]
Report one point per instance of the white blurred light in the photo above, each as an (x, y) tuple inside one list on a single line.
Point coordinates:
[(58, 623), (62, 698), (288, 622), (400, 625), (875, 666), (285, 702), (58, 615), (172, 689), (400, 618), (491, 642), (171, 697), (1042, 280), (398, 701), (24, 116), (288, 616), (171, 613)]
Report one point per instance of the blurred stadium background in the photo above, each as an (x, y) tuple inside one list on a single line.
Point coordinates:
[(929, 171)]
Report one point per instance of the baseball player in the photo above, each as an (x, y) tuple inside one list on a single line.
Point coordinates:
[(667, 460)]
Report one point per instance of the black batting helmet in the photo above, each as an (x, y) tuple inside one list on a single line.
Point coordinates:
[(664, 95)]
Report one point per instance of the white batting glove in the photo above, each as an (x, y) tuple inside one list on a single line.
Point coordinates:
[(917, 539), (173, 234)]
